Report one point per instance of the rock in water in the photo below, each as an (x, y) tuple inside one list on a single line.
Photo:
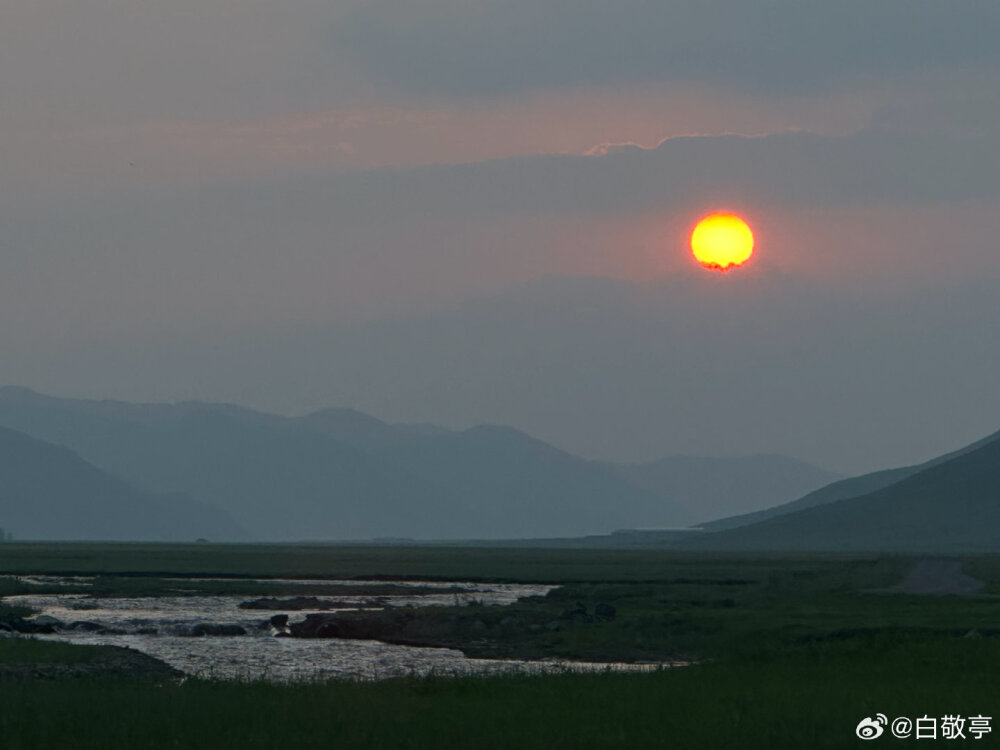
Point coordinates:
[(211, 628), (47, 621), (86, 626)]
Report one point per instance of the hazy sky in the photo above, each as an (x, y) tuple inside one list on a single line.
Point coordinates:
[(465, 211)]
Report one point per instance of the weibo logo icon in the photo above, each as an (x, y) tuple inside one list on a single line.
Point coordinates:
[(871, 729)]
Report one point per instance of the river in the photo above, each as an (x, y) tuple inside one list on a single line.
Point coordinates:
[(157, 626)]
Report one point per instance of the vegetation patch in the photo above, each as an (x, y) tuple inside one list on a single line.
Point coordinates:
[(30, 659)]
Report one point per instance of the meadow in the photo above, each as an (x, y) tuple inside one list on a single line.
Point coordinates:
[(789, 652), (515, 564)]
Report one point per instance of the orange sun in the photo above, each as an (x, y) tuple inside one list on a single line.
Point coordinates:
[(722, 241)]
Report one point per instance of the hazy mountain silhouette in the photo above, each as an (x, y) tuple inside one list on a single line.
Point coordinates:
[(714, 487), (531, 485), (49, 492), (338, 474), (953, 504), (844, 489), (358, 429), (280, 480)]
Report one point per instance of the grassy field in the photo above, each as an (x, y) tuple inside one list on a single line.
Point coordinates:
[(811, 696), (30, 651), (792, 652), (359, 561)]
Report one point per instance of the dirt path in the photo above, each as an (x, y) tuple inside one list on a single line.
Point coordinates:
[(939, 577)]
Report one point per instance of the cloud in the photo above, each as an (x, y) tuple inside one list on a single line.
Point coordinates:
[(226, 88), (798, 169), (381, 242), (488, 47)]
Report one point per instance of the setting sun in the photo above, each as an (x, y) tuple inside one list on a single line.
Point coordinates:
[(722, 241)]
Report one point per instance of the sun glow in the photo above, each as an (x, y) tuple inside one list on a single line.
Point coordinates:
[(722, 241)]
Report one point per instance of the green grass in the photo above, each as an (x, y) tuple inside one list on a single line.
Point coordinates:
[(9, 611), (773, 607), (118, 585), (32, 651), (806, 697), (793, 652), (986, 568), (359, 561)]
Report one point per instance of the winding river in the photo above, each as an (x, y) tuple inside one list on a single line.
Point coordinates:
[(159, 626)]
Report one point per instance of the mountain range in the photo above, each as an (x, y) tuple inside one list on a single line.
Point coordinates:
[(49, 492), (87, 469), (721, 487), (948, 505), (843, 489), (340, 474)]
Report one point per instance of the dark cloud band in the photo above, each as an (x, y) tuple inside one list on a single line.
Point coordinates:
[(485, 47)]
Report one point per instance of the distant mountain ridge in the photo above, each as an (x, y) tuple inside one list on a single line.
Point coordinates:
[(339, 474), (537, 485), (49, 492), (950, 505), (282, 481), (845, 489), (719, 487), (357, 428)]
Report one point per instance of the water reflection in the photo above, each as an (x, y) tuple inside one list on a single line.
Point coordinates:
[(156, 626)]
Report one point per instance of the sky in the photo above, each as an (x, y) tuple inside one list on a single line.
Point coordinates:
[(468, 211)]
